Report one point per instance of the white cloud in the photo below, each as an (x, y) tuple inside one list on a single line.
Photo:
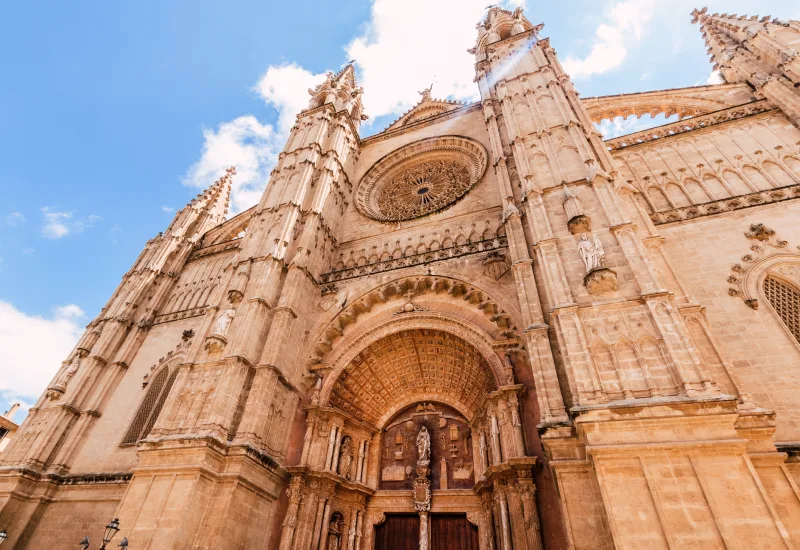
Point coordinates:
[(400, 52), (714, 78), (167, 209), (27, 251), (286, 89), (611, 128), (249, 145), (32, 349), (15, 219), (244, 143), (58, 224), (623, 24)]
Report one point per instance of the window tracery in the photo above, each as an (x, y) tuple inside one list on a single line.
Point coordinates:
[(785, 300), (421, 178), (151, 406)]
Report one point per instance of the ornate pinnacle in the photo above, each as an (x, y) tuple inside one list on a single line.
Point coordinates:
[(697, 13)]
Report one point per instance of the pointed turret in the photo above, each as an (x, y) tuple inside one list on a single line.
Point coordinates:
[(758, 51), (342, 91), (208, 209)]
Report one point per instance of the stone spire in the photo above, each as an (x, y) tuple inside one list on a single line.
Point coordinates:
[(342, 91), (757, 51), (207, 210)]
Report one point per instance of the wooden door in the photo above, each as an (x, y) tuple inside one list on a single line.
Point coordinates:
[(398, 532), (453, 532)]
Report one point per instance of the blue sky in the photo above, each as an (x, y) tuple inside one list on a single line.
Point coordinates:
[(113, 114)]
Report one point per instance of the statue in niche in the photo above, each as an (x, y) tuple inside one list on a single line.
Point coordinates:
[(423, 447), (333, 534), (346, 458), (224, 322), (71, 370), (591, 252)]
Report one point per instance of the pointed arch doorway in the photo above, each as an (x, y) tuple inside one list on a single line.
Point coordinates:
[(422, 376)]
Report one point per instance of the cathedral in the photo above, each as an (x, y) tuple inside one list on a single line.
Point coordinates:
[(485, 327)]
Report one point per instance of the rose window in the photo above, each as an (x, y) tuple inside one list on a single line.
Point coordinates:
[(421, 178)]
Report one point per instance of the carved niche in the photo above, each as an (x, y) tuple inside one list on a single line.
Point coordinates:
[(451, 460)]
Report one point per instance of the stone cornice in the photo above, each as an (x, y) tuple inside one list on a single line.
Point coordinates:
[(416, 259), (466, 109), (689, 125), (759, 198)]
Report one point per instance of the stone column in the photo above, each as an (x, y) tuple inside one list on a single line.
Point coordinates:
[(318, 522), (326, 518), (505, 522), (337, 447), (360, 461), (365, 462), (331, 442), (290, 523), (424, 535), (497, 457)]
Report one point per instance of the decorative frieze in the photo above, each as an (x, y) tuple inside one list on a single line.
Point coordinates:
[(727, 205), (690, 124), (431, 256)]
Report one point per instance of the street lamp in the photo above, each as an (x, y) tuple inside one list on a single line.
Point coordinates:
[(3, 536), (111, 530)]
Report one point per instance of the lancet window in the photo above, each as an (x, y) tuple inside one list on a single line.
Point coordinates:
[(785, 300), (151, 406)]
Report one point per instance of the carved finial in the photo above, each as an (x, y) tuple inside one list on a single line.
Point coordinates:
[(697, 13), (426, 93)]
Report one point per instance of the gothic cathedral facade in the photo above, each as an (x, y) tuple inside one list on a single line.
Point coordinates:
[(484, 327)]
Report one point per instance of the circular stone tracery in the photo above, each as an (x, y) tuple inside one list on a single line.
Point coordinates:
[(421, 178)]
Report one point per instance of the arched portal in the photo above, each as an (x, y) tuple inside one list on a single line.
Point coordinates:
[(416, 426)]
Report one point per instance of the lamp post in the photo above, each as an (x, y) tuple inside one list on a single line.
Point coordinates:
[(111, 530)]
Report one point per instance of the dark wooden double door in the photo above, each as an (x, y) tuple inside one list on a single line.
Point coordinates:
[(448, 532)]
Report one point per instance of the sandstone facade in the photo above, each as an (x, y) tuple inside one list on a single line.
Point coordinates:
[(485, 319)]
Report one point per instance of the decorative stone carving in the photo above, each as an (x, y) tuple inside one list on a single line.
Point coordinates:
[(578, 222), (346, 458), (223, 322), (760, 232), (742, 275), (423, 447), (601, 280), (591, 252), (598, 279), (421, 178)]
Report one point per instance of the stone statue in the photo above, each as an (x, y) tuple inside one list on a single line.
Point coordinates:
[(592, 252), (346, 458), (224, 322), (423, 447)]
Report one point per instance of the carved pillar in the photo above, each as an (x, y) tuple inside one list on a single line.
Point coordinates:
[(326, 518), (331, 443), (497, 457), (319, 525), (530, 514), (295, 495), (505, 523), (337, 449), (360, 462), (424, 533)]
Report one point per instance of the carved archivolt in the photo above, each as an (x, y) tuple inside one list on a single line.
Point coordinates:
[(421, 178), (417, 285), (415, 362), (768, 254)]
